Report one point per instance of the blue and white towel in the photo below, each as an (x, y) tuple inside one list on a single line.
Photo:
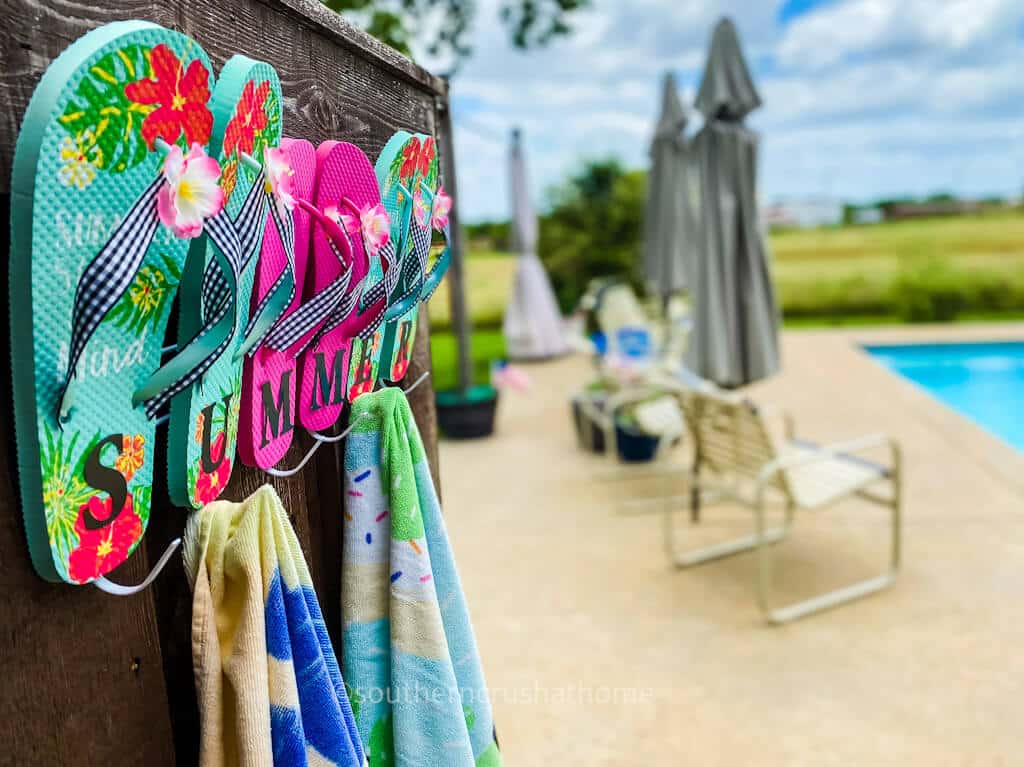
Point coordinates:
[(269, 687)]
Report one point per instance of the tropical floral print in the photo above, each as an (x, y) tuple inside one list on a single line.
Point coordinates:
[(252, 129), (132, 455), (179, 97), (81, 553), (99, 551), (123, 103), (64, 492), (416, 157), (250, 118), (209, 486), (200, 422), (144, 302), (191, 194), (81, 157)]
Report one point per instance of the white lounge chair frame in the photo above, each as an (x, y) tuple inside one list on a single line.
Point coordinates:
[(737, 461)]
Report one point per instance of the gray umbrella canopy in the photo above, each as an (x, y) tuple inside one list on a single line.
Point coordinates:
[(668, 217), (735, 317), (533, 325)]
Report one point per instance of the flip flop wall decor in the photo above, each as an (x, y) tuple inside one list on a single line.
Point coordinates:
[(136, 179)]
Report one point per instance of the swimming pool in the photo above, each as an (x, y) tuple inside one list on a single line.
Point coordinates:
[(983, 381)]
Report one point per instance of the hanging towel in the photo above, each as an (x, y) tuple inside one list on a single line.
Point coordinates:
[(410, 658), (269, 687)]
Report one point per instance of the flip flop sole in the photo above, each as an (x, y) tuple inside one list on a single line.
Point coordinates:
[(410, 169), (246, 108), (267, 419), (345, 173), (83, 159), (365, 362)]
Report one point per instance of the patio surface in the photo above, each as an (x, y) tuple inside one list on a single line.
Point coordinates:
[(599, 653)]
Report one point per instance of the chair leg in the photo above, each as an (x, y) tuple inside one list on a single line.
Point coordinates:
[(717, 550), (778, 616)]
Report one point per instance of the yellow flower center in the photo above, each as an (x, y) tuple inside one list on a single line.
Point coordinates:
[(177, 102), (185, 191), (106, 546)]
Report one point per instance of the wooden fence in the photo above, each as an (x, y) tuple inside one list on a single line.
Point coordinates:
[(91, 679)]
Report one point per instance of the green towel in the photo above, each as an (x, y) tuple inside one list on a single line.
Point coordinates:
[(410, 658)]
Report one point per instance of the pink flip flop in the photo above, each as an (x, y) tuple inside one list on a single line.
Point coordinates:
[(349, 224), (266, 422)]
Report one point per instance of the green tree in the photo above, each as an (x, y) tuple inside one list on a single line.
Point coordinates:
[(593, 228), (398, 22)]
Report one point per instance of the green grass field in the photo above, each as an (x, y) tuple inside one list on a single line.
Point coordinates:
[(964, 268)]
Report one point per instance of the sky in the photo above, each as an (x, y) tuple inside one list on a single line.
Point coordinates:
[(862, 98)]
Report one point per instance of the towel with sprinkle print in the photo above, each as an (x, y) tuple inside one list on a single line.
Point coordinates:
[(410, 658), (269, 688)]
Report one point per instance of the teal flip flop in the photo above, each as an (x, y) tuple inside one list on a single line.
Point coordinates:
[(413, 176), (100, 232), (365, 355), (204, 381)]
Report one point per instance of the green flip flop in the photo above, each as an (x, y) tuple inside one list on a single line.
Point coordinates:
[(100, 235), (216, 290)]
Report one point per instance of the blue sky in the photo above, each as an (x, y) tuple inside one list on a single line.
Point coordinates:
[(863, 98)]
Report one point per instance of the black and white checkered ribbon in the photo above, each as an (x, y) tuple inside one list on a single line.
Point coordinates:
[(432, 285), (348, 300), (289, 330), (109, 275), (237, 241), (285, 226)]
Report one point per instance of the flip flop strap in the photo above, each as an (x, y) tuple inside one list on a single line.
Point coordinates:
[(275, 303), (109, 275), (236, 241), (439, 269), (291, 329), (347, 301)]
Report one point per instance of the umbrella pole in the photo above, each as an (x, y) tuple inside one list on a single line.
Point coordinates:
[(456, 274)]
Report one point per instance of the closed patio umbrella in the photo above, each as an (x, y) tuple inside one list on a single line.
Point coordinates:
[(668, 216), (735, 318), (533, 325)]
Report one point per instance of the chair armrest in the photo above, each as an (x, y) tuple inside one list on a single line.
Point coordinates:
[(829, 452)]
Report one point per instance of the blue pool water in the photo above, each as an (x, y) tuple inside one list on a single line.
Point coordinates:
[(983, 381)]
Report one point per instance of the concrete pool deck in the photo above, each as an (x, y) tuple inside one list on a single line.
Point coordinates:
[(599, 653)]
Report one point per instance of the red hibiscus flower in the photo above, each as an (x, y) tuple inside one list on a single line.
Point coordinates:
[(410, 158), (100, 551), (399, 369), (426, 156), (249, 118), (180, 99), (210, 486)]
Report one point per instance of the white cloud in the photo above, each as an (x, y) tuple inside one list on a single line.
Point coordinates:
[(862, 97)]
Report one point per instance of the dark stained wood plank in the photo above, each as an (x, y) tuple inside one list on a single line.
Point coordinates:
[(361, 90), (421, 399), (81, 670)]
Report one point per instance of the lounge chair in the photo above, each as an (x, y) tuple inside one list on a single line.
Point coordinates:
[(737, 460)]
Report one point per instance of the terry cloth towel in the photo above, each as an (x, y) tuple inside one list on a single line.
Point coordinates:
[(269, 687), (410, 658)]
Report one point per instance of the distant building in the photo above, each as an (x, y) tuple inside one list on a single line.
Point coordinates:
[(898, 211), (868, 215), (803, 214)]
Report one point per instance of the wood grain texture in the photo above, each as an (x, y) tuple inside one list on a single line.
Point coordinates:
[(93, 679)]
